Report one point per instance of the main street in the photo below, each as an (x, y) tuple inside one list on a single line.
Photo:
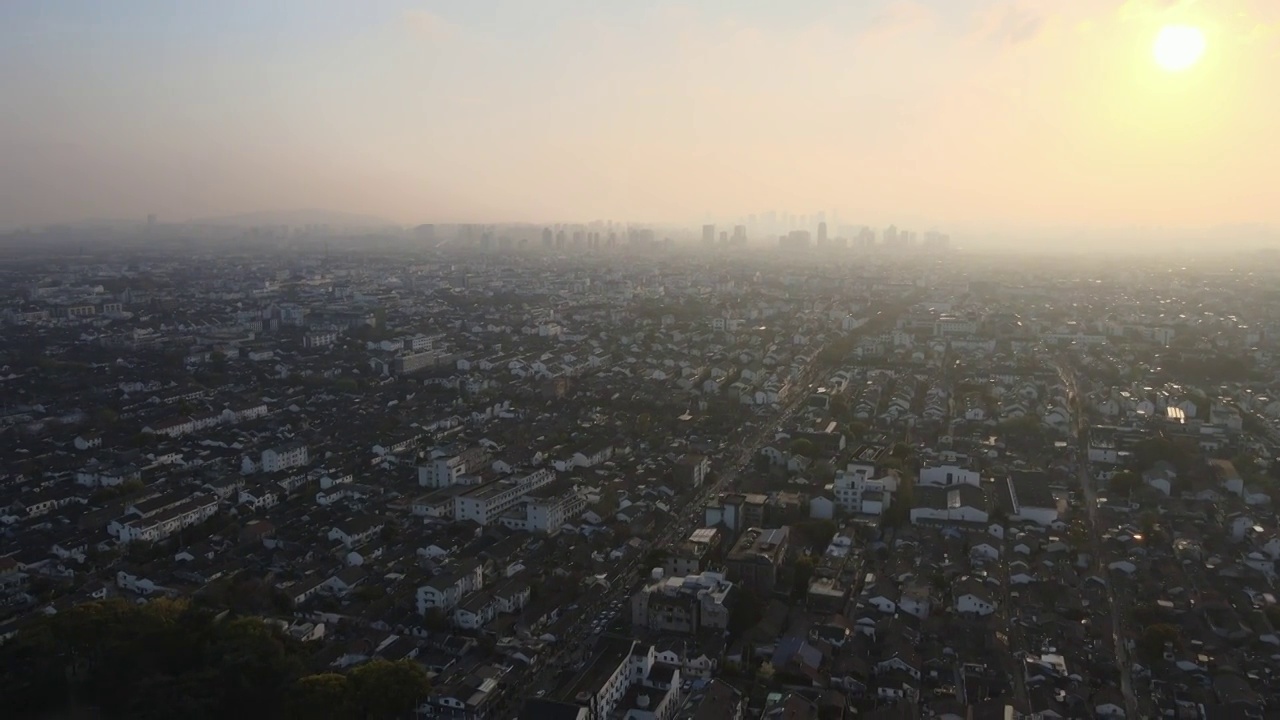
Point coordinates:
[(574, 641), (580, 633), (1078, 417)]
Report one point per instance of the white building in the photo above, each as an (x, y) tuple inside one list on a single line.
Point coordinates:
[(156, 526), (447, 589), (285, 456), (692, 469), (857, 492), (960, 504), (547, 509), (947, 475), (606, 694), (445, 471), (686, 604), (485, 503), (972, 597), (1031, 498)]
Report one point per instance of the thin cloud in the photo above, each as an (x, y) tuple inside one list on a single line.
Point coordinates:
[(431, 27), (899, 18)]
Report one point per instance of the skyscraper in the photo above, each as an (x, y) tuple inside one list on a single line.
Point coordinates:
[(795, 240), (708, 234), (822, 234), (739, 235)]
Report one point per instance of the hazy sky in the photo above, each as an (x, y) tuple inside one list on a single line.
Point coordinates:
[(949, 113)]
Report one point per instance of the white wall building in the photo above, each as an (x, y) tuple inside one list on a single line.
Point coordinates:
[(486, 502), (947, 475), (285, 456)]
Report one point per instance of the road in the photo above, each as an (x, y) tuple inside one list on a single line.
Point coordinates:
[(1078, 419), (580, 635)]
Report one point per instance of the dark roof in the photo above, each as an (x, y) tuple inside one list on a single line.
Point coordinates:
[(1032, 488), (549, 710)]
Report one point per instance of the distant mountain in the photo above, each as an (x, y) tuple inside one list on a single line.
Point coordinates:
[(333, 218)]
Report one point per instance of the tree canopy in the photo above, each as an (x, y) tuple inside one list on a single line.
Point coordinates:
[(169, 659), (1124, 483), (801, 446)]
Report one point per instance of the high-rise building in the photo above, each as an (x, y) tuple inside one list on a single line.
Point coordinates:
[(891, 235), (934, 240), (548, 238), (708, 234), (739, 234), (795, 240), (822, 234)]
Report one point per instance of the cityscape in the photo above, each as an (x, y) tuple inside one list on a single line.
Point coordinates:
[(494, 360), (678, 480)]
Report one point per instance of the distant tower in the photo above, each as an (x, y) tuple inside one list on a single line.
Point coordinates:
[(822, 234), (548, 238), (708, 234)]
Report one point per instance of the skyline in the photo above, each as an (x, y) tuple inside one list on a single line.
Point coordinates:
[(1000, 116)]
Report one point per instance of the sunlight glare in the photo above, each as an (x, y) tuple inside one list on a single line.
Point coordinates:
[(1178, 47)]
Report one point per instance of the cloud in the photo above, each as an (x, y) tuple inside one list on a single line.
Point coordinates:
[(1009, 23), (1017, 25), (899, 18), (431, 27)]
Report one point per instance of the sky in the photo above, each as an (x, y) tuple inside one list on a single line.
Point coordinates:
[(959, 114)]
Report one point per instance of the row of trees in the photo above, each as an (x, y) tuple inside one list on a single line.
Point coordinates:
[(169, 659)]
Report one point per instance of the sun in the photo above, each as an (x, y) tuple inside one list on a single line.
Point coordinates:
[(1178, 47)]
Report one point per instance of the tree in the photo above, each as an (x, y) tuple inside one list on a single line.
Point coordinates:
[(435, 619), (839, 406), (815, 534), (384, 689), (164, 659), (325, 695), (1151, 643), (1273, 614), (806, 448), (1025, 429), (855, 430), (1147, 523), (1180, 453), (746, 613), (104, 417), (802, 573), (655, 558), (1124, 483)]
